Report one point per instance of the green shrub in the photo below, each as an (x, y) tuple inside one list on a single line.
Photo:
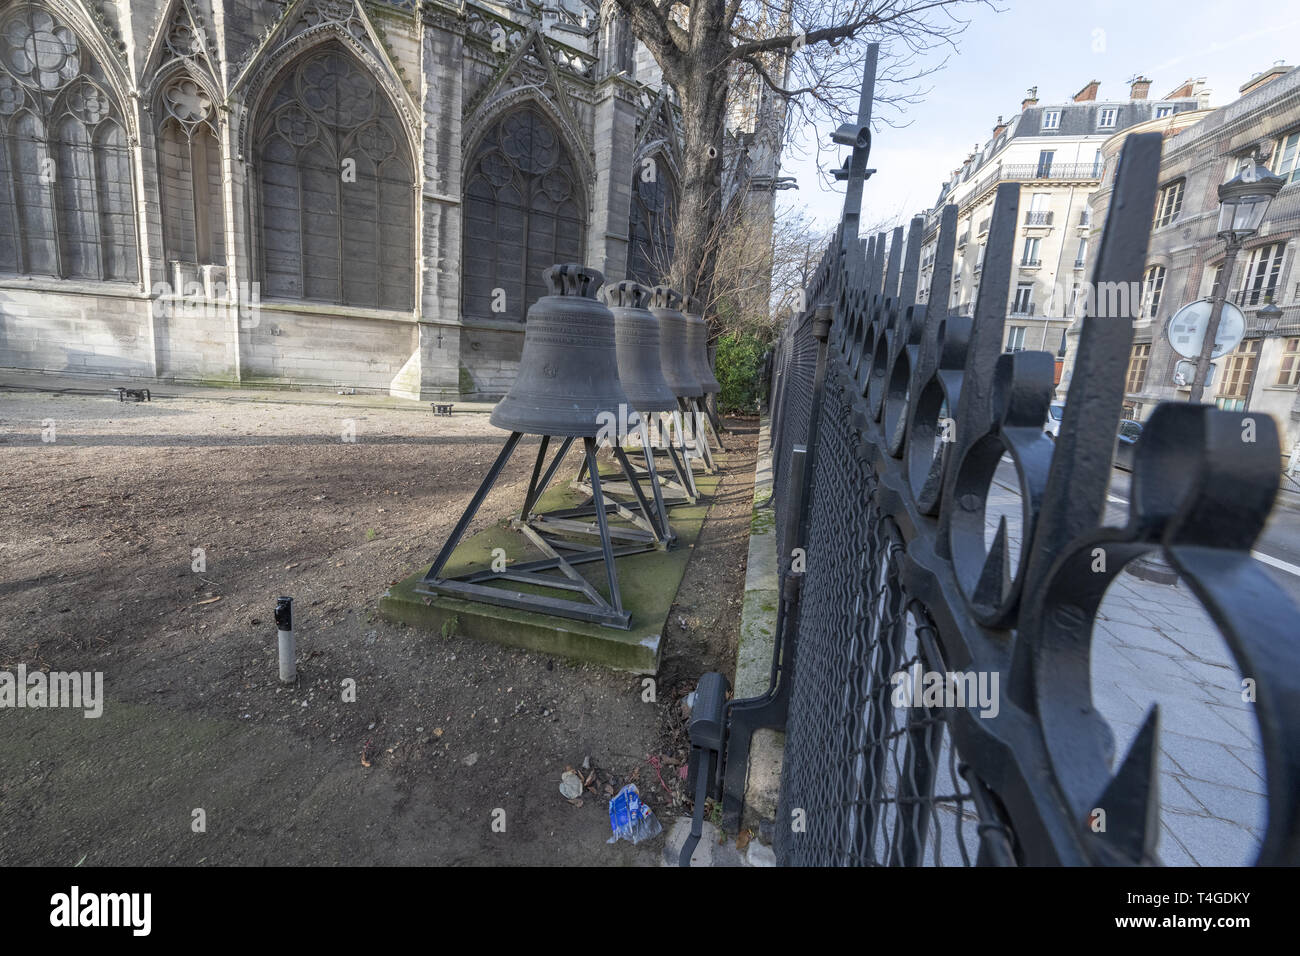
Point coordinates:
[(739, 371)]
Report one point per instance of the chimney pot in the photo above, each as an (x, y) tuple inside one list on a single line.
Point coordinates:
[(1139, 87)]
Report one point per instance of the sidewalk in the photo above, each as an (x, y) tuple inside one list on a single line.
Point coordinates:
[(14, 380), (1154, 644), (1288, 493)]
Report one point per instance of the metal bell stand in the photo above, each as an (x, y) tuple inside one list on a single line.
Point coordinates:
[(671, 486), (561, 554)]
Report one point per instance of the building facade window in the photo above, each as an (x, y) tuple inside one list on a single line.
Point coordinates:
[(1038, 213), (1163, 111), (1016, 338), (1030, 255), (1153, 285), (1234, 387), (1082, 255), (1288, 157), (190, 190), (1260, 279), (1170, 203), (1106, 117), (66, 198), (337, 182), (1236, 165), (1045, 158), (1289, 373), (1139, 358), (523, 214), (1051, 119), (651, 218), (1215, 280), (1023, 304)]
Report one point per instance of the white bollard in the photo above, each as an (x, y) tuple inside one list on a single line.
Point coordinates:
[(288, 648)]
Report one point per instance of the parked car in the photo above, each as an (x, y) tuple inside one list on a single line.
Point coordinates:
[(1126, 441), (1052, 427)]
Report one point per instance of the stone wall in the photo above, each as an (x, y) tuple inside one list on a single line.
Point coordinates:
[(446, 71)]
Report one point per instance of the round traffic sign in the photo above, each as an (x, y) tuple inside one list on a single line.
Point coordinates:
[(1186, 330)]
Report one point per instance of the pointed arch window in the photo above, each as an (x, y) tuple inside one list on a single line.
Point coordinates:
[(651, 222), (523, 214), (189, 156), (66, 187), (337, 181)]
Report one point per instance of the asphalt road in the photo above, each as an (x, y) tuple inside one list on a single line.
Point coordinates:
[(1278, 548)]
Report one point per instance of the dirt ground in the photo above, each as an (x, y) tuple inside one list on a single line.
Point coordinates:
[(447, 736)]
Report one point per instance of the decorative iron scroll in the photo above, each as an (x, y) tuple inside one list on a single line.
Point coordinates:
[(903, 413)]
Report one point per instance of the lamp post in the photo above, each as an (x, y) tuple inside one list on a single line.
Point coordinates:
[(1243, 203)]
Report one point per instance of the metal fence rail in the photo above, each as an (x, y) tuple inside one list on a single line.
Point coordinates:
[(887, 440)]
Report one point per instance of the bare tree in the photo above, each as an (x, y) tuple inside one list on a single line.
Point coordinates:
[(809, 52)]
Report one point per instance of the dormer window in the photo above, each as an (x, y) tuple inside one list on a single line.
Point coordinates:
[(1106, 117), (1051, 119)]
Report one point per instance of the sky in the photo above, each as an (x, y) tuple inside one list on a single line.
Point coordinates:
[(1058, 46)]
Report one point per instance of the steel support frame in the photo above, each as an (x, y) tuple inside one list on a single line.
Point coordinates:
[(474, 586)]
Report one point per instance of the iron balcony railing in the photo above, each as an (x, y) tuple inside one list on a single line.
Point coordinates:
[(1033, 218), (1019, 172), (1027, 263)]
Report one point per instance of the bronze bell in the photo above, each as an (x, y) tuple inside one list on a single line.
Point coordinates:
[(568, 373), (697, 341), (636, 333), (674, 354)]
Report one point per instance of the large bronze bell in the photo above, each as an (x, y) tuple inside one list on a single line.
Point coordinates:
[(697, 342), (640, 371), (568, 373), (674, 346), (636, 333)]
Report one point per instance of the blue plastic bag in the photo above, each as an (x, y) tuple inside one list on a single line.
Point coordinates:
[(630, 819)]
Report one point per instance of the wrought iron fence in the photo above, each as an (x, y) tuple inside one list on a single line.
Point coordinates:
[(889, 420)]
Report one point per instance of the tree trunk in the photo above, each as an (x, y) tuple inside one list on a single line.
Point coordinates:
[(704, 104)]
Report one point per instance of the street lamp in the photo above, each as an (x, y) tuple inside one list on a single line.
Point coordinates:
[(1243, 203), (1270, 317)]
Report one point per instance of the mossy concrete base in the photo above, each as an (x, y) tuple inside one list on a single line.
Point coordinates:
[(648, 584)]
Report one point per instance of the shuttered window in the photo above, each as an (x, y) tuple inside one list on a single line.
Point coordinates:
[(652, 217), (66, 189), (337, 180), (523, 214)]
